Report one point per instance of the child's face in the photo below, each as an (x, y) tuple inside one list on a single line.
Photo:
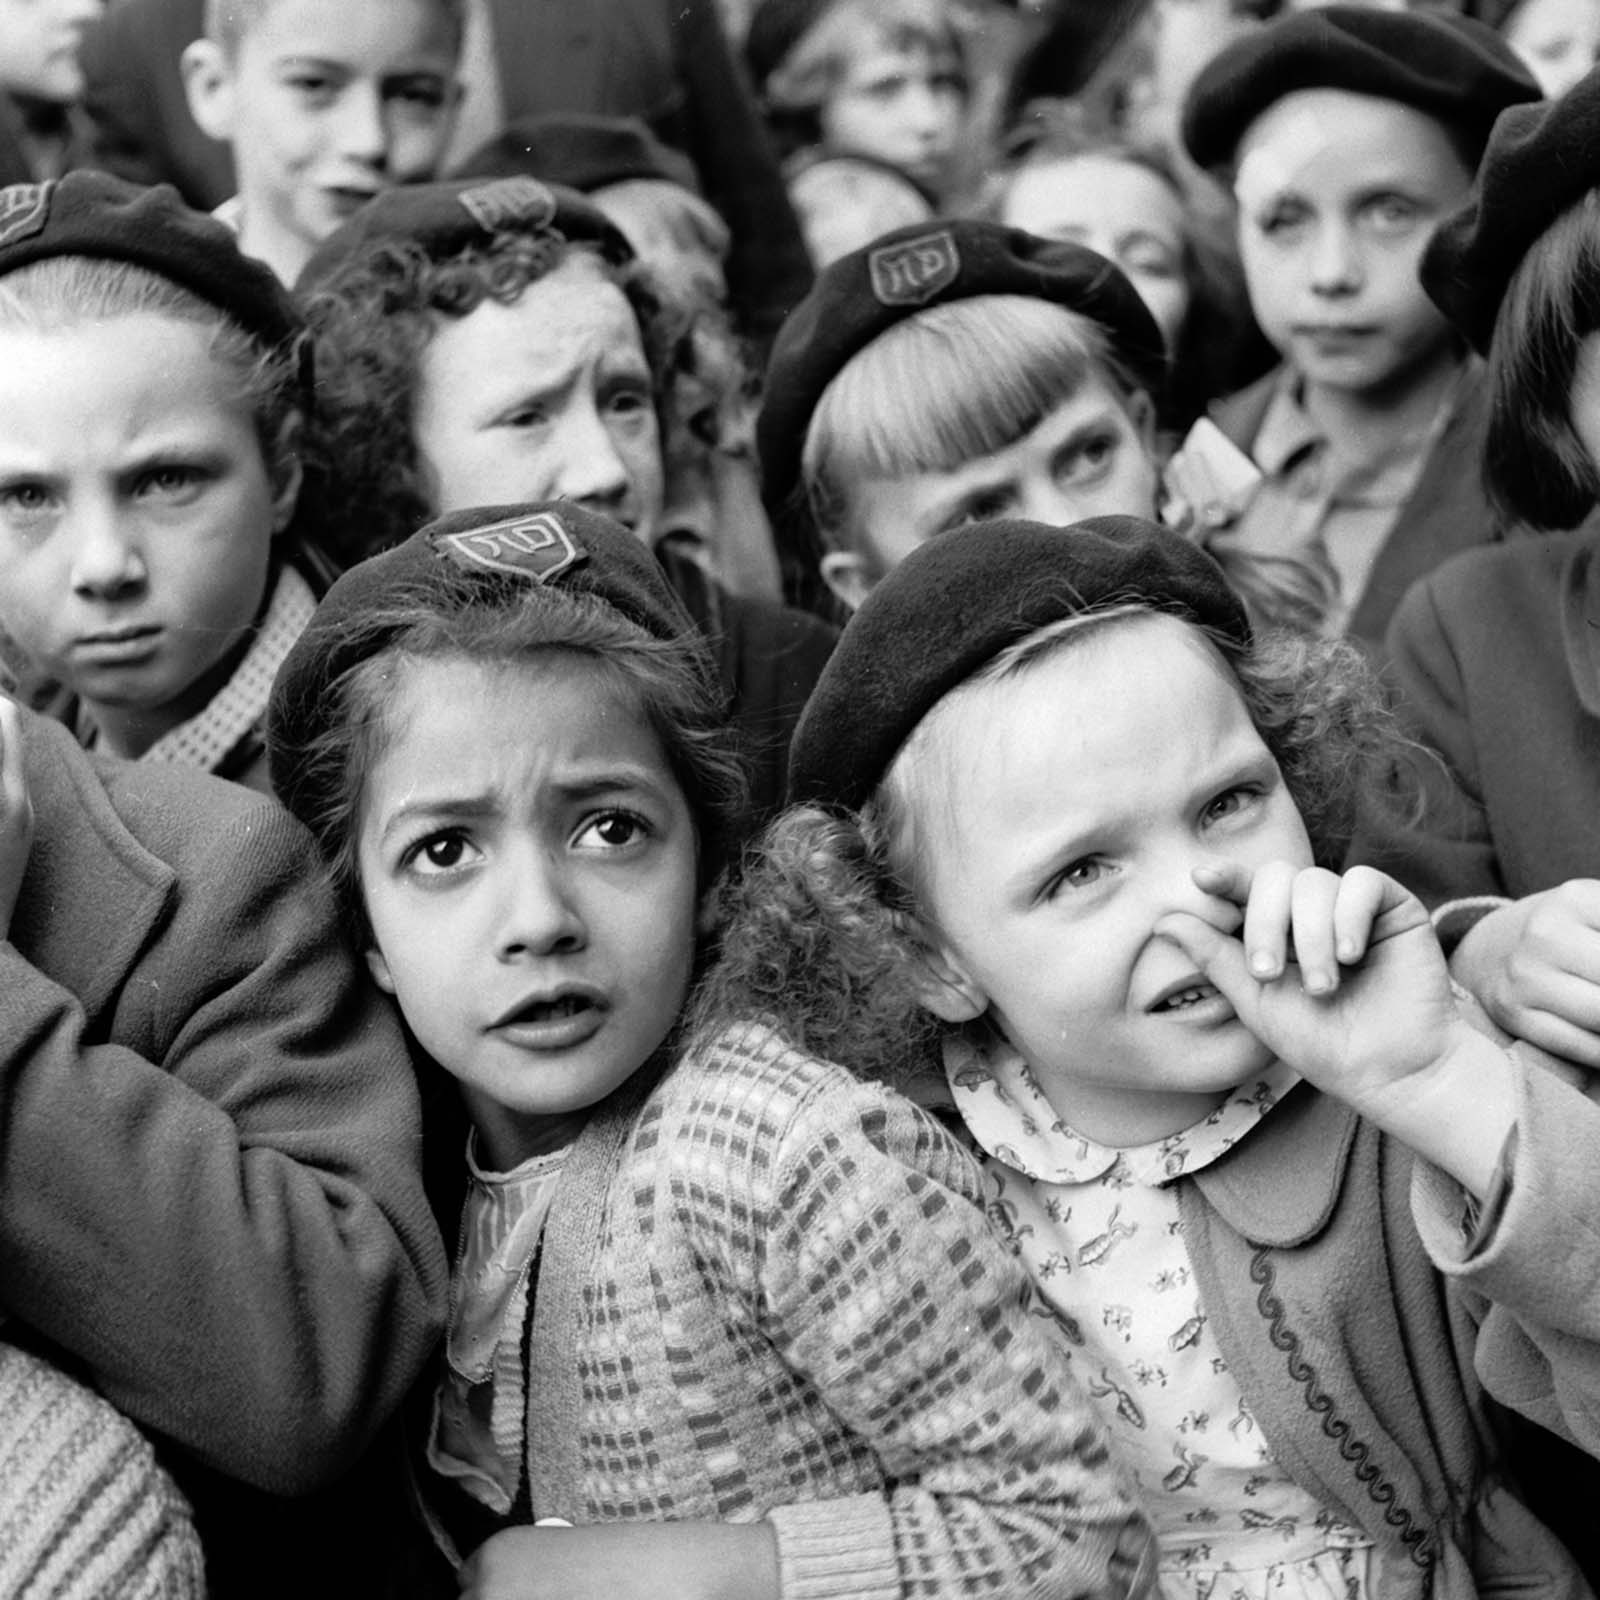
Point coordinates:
[(527, 860), (136, 513), (899, 102), (326, 105), (547, 398), (1559, 40), (39, 42), (1338, 195), (1122, 210), (1087, 458), (1061, 814)]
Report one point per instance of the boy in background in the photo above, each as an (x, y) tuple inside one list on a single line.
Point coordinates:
[(1346, 134), (324, 106), (41, 83)]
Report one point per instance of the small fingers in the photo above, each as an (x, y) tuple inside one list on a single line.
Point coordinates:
[(1316, 897), (1267, 920)]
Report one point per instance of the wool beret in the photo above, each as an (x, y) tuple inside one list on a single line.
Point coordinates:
[(496, 555), (1448, 66), (94, 214), (581, 151), (955, 603), (1541, 160), (863, 294), (445, 218)]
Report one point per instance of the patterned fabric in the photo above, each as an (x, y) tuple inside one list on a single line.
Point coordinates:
[(770, 1291), (1100, 1232), (476, 1434), (85, 1511), (207, 738)]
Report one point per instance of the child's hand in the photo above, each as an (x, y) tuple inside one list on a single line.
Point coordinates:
[(1343, 979), (16, 813), (626, 1561), (1535, 965)]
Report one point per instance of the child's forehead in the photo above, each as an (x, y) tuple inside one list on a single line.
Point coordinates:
[(357, 32), (1338, 135)]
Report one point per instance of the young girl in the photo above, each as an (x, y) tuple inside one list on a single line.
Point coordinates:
[(958, 371), (866, 100), (740, 1319), (1283, 1204), (151, 395)]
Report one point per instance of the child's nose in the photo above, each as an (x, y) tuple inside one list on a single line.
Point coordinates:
[(107, 563), (1182, 893), (540, 916), (363, 132), (590, 469), (1336, 260)]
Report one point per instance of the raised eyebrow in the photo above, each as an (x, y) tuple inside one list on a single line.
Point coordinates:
[(436, 808)]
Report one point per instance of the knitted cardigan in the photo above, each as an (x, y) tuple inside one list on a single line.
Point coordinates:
[(770, 1290)]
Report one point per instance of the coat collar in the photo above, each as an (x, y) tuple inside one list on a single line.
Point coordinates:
[(92, 893), (1281, 1189)]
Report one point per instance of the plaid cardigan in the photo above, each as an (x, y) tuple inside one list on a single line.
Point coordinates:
[(769, 1289)]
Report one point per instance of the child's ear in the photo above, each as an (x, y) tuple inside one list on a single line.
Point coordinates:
[(846, 574), (208, 86), (379, 968), (945, 987), (288, 473), (1142, 413)]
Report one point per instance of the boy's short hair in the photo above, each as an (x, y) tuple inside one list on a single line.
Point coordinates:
[(226, 22)]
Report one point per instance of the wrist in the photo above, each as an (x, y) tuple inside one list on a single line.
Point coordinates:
[(1480, 956)]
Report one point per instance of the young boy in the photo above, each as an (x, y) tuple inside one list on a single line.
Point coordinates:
[(1347, 133), (41, 83), (324, 106), (152, 387)]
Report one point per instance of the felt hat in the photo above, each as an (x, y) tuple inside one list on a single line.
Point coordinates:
[(955, 603), (579, 150), (863, 294), (1450, 67), (445, 218), (90, 213), (1541, 159), (496, 555)]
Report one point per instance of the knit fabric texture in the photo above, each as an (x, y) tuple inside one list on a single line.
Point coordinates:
[(772, 1292), (85, 1511)]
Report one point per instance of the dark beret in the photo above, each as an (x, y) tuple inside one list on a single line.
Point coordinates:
[(1541, 160), (445, 218), (490, 554), (1448, 66), (955, 603), (860, 295), (776, 27), (94, 214), (580, 150)]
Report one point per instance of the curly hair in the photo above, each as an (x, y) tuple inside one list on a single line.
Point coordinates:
[(822, 937), (371, 323)]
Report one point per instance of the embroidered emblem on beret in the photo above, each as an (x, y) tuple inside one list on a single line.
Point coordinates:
[(24, 208), (912, 272), (536, 547), (517, 202)]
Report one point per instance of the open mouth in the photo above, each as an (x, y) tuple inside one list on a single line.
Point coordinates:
[(1185, 999)]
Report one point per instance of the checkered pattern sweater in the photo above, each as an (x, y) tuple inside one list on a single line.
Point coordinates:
[(770, 1290)]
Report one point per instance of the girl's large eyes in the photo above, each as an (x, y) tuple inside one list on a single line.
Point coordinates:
[(170, 481), (1229, 802), (1083, 873), (439, 853), (25, 502), (613, 830)]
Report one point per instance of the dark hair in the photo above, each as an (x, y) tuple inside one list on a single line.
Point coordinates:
[(672, 683), (822, 936), (371, 322), (1534, 466)]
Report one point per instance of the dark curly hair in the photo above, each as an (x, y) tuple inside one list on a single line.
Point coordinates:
[(821, 934), (371, 322)]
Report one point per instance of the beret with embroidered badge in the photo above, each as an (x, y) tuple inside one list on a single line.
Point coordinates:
[(580, 150), (955, 603), (1540, 161), (495, 555), (89, 213), (443, 219), (1450, 67), (863, 294)]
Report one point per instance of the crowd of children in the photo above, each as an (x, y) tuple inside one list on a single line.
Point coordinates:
[(940, 942)]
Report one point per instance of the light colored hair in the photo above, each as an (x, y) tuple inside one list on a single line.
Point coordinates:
[(228, 21), (64, 292), (950, 385)]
